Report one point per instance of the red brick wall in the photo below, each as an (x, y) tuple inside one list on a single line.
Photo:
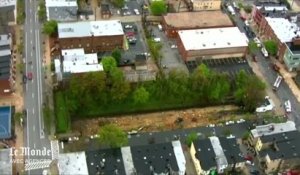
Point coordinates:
[(93, 44)]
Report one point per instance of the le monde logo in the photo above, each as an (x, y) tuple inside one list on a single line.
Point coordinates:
[(26, 151)]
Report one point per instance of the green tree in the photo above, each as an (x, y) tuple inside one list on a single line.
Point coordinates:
[(119, 87), (118, 3), (248, 8), (252, 46), (112, 136), (250, 91), (191, 138), (108, 63), (271, 47), (177, 85), (246, 135), (116, 53), (50, 27), (42, 11), (219, 87), (140, 95), (158, 7)]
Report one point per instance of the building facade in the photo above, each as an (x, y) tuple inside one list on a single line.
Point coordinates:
[(93, 36), (291, 56), (199, 5)]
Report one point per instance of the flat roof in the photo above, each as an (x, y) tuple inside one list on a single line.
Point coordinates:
[(76, 61), (283, 29), (6, 3), (72, 163), (273, 128), (105, 162), (213, 38), (61, 3), (90, 28), (231, 150), (220, 156), (5, 161), (5, 40), (205, 154), (203, 19), (5, 122)]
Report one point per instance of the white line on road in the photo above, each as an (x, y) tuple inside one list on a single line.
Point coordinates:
[(31, 42), (33, 111), (31, 54), (33, 127), (32, 95), (31, 31), (34, 145)]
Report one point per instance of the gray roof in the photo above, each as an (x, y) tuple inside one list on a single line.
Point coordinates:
[(205, 154), (105, 162), (285, 145), (5, 123), (90, 28), (158, 158), (231, 150), (62, 13), (5, 56)]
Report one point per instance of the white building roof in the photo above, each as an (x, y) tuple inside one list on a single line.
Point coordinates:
[(179, 156), (283, 29), (127, 159), (75, 61), (273, 128), (72, 163), (89, 28), (5, 39), (61, 3), (5, 161), (220, 156), (276, 8), (213, 38), (7, 3)]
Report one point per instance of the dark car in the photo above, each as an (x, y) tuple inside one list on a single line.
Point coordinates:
[(254, 58), (24, 79), (132, 40), (275, 67)]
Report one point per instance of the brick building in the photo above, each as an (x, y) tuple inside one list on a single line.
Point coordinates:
[(172, 22), (7, 74), (211, 43), (92, 36), (199, 5)]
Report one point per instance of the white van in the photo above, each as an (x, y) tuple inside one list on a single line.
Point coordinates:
[(277, 82), (159, 27), (264, 52)]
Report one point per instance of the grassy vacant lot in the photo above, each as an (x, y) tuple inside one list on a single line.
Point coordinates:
[(62, 114), (20, 11)]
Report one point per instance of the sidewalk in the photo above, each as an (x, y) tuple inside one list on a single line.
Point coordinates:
[(288, 78), (270, 93)]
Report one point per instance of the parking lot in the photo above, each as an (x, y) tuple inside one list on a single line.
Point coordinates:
[(227, 65), (133, 32), (170, 56)]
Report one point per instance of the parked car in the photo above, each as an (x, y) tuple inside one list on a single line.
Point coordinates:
[(257, 41), (267, 106), (277, 82), (275, 67), (287, 106), (24, 79), (157, 40), (128, 26), (173, 46), (254, 58), (29, 75), (132, 40), (136, 11), (264, 52)]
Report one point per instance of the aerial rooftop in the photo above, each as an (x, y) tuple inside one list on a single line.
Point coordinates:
[(213, 38), (72, 163), (105, 162), (220, 156), (273, 128), (205, 154), (76, 61), (60, 3), (283, 29), (62, 10), (7, 3), (285, 145), (231, 150), (203, 19), (90, 28)]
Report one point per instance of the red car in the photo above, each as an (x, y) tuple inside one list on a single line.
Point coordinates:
[(130, 34), (29, 75)]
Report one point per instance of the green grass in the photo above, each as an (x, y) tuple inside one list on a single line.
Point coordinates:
[(20, 11), (47, 114), (62, 114)]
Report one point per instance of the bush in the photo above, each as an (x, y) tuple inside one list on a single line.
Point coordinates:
[(62, 114), (158, 8)]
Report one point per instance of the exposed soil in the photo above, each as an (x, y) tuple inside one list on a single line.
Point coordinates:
[(158, 121)]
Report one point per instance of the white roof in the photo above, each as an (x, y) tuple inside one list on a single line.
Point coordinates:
[(276, 8), (61, 3), (127, 159), (283, 29), (5, 52), (5, 39), (213, 38), (178, 152), (220, 156), (273, 128), (6, 3), (75, 61), (89, 28), (5, 161), (72, 163)]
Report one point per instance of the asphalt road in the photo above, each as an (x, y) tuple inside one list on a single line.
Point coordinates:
[(283, 93), (35, 139)]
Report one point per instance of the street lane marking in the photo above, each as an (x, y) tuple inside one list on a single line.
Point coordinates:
[(34, 145), (32, 95), (31, 54), (33, 110), (33, 128), (31, 31)]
